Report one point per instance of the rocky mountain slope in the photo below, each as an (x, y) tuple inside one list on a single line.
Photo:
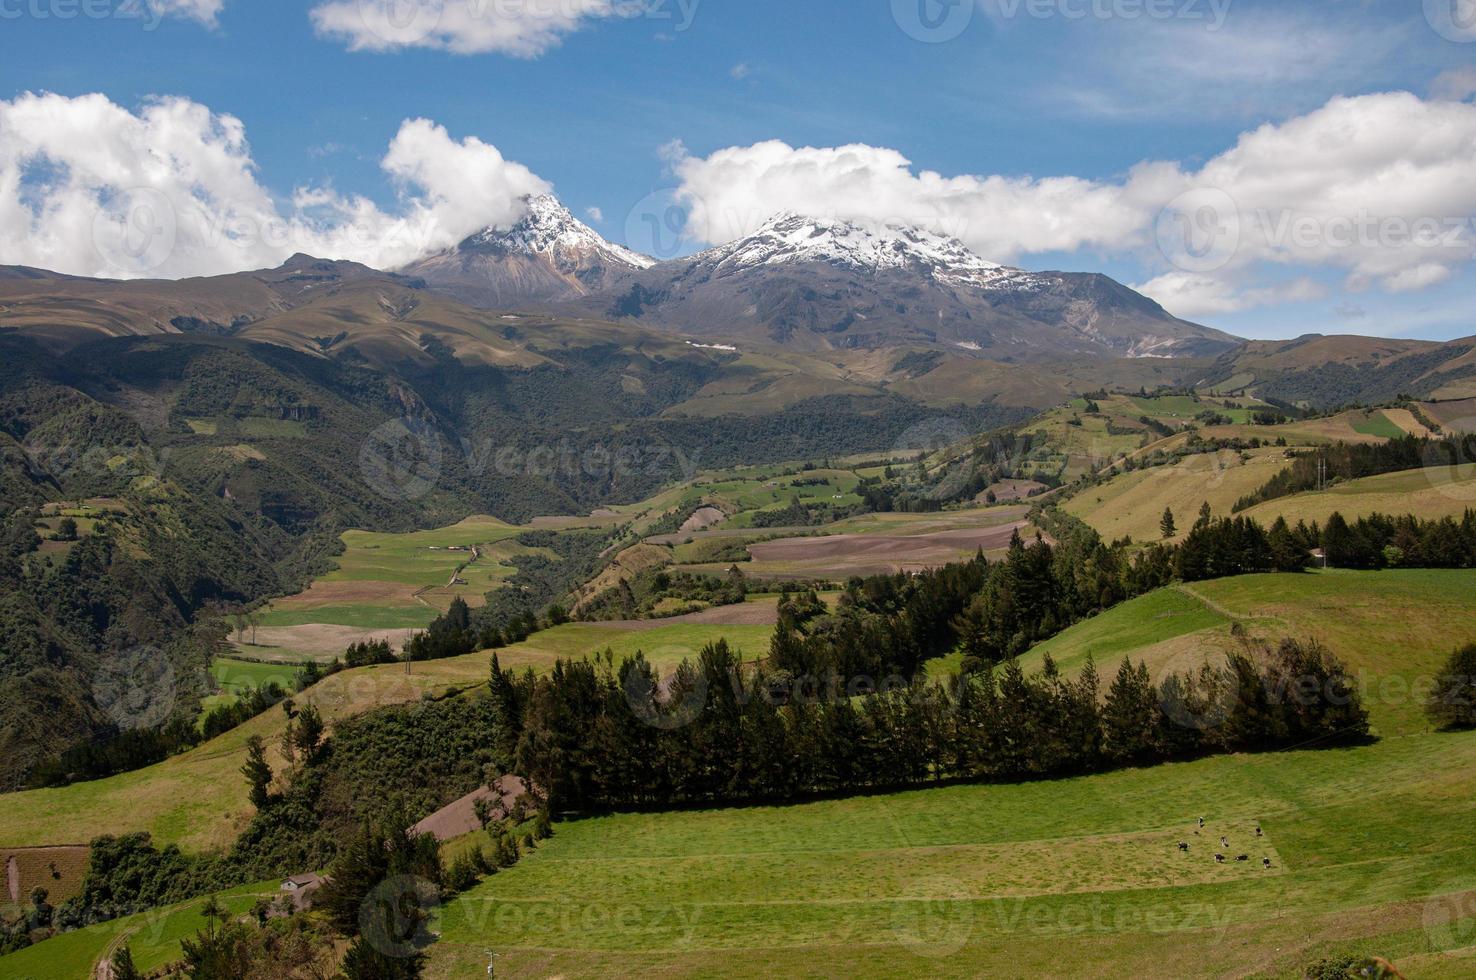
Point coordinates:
[(548, 255), (817, 284)]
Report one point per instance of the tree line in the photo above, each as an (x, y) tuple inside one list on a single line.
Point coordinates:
[(600, 734), (1344, 461)]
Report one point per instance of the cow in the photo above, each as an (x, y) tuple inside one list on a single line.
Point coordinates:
[(1219, 859), (1266, 863), (1184, 846)]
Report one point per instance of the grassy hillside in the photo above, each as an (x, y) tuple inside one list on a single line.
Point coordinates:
[(198, 799), (1071, 877), (152, 937), (1392, 628), (1429, 493), (1132, 504)]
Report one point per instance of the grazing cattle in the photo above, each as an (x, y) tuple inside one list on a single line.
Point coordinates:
[(1259, 832), (1201, 823), (1265, 862), (1183, 845), (1224, 842), (1219, 859), (1243, 857)]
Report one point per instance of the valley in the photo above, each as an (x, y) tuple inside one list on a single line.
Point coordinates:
[(332, 493)]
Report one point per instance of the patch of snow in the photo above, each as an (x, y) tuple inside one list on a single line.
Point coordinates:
[(549, 228), (791, 237), (726, 347)]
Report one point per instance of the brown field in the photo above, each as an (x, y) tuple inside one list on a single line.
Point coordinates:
[(1454, 416), (314, 641), (342, 593), (59, 870), (763, 611), (858, 554)]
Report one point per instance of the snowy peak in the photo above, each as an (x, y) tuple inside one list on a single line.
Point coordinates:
[(547, 256), (548, 229), (868, 249)]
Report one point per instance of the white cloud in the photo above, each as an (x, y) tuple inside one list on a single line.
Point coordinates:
[(88, 187), (1190, 295), (1381, 186), (521, 28), (740, 71), (1455, 84), (594, 214), (1419, 277), (204, 11)]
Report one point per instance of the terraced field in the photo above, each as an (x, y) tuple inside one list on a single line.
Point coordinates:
[(1372, 850)]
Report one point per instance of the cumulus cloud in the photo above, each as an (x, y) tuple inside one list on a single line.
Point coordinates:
[(521, 28), (89, 187), (595, 214), (1381, 187)]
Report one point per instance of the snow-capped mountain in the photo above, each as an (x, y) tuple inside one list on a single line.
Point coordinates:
[(790, 237), (548, 255), (817, 283)]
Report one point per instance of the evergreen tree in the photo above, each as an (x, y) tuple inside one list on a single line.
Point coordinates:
[(1166, 524), (122, 967), (307, 733), (257, 772), (1130, 715), (1452, 704)]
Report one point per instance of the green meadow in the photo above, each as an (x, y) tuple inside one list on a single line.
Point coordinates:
[(1372, 849), (152, 937)]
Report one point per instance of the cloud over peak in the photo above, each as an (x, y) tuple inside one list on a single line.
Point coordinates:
[(89, 187), (1381, 187)]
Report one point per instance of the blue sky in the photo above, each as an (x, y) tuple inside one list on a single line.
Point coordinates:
[(1014, 94)]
